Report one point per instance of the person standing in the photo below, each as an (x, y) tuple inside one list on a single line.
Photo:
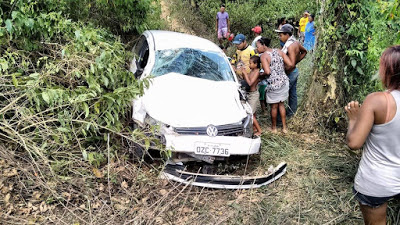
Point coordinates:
[(296, 53), (257, 30), (376, 126), (222, 24), (243, 53), (253, 95), (273, 62), (302, 26), (309, 38)]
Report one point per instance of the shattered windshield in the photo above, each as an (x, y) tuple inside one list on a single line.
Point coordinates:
[(193, 62)]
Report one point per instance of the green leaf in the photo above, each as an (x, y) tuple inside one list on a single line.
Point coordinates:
[(29, 23), (97, 107), (9, 25), (14, 79), (360, 71), (63, 129), (46, 97), (85, 155), (147, 143), (84, 132), (354, 63), (86, 109), (77, 34), (337, 119), (14, 14)]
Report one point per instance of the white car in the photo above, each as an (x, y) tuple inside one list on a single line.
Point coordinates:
[(194, 97)]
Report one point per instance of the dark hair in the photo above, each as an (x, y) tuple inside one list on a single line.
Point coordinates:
[(389, 67), (264, 41), (280, 20), (222, 5), (256, 59), (312, 16)]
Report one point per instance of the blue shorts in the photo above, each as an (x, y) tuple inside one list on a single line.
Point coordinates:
[(370, 201)]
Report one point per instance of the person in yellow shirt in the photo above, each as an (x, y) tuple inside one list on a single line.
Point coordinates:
[(302, 26), (243, 53)]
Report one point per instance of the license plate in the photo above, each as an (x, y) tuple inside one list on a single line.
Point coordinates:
[(215, 149)]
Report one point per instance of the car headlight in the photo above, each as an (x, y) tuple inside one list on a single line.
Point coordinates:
[(151, 121), (162, 128), (248, 126)]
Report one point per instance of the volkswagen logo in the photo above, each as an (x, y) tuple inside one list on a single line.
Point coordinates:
[(212, 131)]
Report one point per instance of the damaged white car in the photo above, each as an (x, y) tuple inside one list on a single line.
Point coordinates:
[(195, 99)]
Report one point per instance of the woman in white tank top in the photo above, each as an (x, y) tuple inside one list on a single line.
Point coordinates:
[(376, 126)]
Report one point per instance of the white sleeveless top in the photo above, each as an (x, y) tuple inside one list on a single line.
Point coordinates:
[(378, 174)]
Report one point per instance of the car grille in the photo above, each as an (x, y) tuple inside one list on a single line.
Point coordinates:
[(223, 130)]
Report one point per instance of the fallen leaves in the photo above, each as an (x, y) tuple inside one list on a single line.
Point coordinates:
[(97, 173), (124, 185), (7, 198), (43, 207), (10, 172), (163, 192), (119, 207)]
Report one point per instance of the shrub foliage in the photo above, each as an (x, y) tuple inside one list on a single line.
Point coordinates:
[(65, 89)]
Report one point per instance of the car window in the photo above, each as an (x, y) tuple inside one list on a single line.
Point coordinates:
[(193, 62), (141, 52)]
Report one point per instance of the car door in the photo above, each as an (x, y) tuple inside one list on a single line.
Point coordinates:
[(141, 56)]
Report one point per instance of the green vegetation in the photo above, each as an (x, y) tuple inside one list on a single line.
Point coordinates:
[(357, 33), (247, 14), (65, 90)]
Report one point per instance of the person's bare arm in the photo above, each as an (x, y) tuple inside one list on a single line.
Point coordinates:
[(303, 53), (229, 25), (362, 118), (286, 59), (265, 64), (293, 51), (251, 79), (216, 25)]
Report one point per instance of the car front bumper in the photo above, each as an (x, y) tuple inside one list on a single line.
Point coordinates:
[(238, 145)]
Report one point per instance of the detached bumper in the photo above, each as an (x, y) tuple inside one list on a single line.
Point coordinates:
[(177, 173), (238, 145)]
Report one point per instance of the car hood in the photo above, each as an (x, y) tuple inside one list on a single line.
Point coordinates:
[(183, 101)]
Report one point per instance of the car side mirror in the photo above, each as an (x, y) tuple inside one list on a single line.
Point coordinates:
[(138, 72)]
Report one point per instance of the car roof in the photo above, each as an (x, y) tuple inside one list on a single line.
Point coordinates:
[(173, 40)]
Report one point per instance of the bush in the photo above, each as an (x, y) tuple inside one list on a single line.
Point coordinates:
[(65, 88), (119, 16)]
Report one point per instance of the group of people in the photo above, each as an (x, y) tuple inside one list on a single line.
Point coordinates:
[(269, 75), (375, 125), (306, 32)]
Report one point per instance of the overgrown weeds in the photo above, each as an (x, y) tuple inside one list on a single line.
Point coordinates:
[(64, 125)]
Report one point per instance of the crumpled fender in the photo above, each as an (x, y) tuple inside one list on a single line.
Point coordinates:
[(138, 112)]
